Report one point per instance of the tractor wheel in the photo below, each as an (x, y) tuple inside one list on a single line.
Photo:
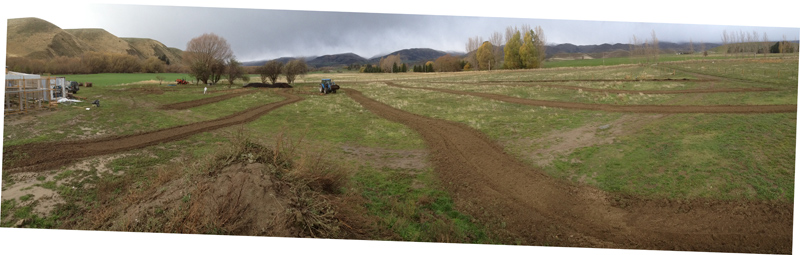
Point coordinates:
[(334, 91), (321, 90)]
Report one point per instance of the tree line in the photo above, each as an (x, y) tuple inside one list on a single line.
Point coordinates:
[(519, 48), (644, 51), (93, 62), (273, 69), (746, 43)]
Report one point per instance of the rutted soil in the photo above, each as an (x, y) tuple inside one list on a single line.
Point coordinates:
[(41, 156), (267, 85), (682, 91), (521, 203), (204, 101), (624, 108)]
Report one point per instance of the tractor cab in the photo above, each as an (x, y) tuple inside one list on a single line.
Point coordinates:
[(328, 86)]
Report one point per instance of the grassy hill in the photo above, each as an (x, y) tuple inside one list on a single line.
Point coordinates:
[(39, 39), (100, 40), (145, 47)]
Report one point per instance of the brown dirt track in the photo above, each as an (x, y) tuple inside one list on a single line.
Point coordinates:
[(624, 108), (42, 156), (654, 92), (199, 102), (521, 203)]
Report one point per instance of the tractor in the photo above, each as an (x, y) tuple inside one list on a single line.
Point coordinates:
[(328, 86), (181, 81)]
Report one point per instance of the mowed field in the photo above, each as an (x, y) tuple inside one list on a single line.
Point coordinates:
[(686, 155)]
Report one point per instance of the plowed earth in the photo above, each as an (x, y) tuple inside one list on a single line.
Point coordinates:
[(199, 102), (522, 203), (42, 156), (624, 108)]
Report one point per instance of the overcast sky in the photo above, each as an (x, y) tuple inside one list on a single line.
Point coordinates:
[(258, 31)]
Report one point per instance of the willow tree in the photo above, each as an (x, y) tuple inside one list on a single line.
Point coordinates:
[(204, 54), (294, 68)]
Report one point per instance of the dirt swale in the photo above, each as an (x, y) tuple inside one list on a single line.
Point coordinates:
[(522, 203), (41, 156)]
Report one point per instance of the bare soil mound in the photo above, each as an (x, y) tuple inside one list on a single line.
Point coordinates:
[(199, 102), (267, 85), (41, 156), (625, 108), (240, 200), (521, 203)]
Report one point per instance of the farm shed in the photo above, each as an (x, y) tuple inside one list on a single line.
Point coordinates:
[(28, 92)]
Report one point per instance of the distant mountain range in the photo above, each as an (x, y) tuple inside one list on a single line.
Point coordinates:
[(417, 56), (408, 56), (663, 46), (39, 39)]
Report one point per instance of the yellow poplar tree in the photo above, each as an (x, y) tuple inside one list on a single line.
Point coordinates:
[(485, 56), (527, 51), (513, 59)]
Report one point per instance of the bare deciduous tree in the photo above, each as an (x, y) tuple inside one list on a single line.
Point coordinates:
[(234, 71), (725, 41), (524, 28), (540, 41), (294, 68), (205, 53), (703, 49), (472, 46), (655, 46), (782, 47), (447, 63), (270, 70), (496, 39), (389, 62)]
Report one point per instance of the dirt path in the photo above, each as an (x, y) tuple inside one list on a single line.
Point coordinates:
[(529, 206), (624, 108), (682, 91), (199, 102), (42, 156)]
